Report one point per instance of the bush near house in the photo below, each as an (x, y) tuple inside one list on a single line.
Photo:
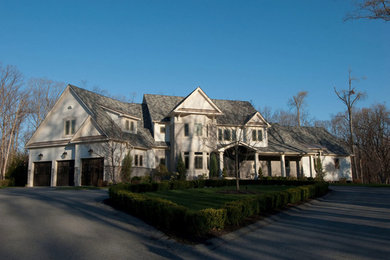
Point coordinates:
[(184, 221)]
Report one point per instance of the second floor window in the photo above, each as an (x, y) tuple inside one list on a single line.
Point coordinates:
[(70, 126), (226, 134), (186, 130), (162, 130), (257, 135), (198, 129), (127, 125), (234, 135), (220, 134)]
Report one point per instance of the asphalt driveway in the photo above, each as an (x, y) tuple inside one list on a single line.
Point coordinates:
[(47, 223)]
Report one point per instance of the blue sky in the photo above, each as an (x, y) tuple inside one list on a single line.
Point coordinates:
[(263, 51)]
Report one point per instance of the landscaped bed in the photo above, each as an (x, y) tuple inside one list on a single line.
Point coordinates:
[(197, 208)]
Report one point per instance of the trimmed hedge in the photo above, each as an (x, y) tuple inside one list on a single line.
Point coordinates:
[(182, 185), (179, 219)]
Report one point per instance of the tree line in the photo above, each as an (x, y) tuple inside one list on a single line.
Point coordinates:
[(365, 131)]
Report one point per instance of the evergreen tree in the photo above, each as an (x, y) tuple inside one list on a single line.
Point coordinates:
[(127, 165), (181, 168), (213, 166)]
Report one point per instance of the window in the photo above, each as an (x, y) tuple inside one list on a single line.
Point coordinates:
[(198, 129), (141, 160), (132, 126), (234, 135), (257, 135), (127, 125), (219, 134), (136, 160), (260, 135), (226, 134), (162, 129), (186, 130), (187, 160), (198, 160), (70, 126), (254, 135), (208, 161), (337, 163), (162, 161)]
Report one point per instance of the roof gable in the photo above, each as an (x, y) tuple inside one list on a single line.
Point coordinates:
[(256, 120), (197, 103)]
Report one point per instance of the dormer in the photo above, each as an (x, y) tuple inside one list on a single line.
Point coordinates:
[(196, 103), (128, 123), (256, 130)]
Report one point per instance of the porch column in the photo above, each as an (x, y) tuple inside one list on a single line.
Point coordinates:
[(54, 173), (282, 166), (77, 166), (311, 165), (30, 173), (220, 164), (256, 165)]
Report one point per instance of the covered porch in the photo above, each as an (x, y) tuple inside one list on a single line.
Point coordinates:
[(251, 162)]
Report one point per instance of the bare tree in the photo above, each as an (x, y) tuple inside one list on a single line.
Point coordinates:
[(349, 97), (371, 9), (297, 103), (13, 103), (372, 131), (43, 94)]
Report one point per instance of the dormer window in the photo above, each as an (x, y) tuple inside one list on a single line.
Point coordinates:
[(129, 126), (257, 135), (198, 130), (70, 126), (162, 130)]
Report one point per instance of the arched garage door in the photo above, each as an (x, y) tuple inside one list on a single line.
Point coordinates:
[(92, 172), (42, 173)]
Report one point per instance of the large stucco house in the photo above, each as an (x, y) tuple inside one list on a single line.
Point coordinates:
[(84, 138)]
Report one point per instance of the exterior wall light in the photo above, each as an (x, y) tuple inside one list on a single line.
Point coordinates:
[(90, 151), (40, 156), (64, 154)]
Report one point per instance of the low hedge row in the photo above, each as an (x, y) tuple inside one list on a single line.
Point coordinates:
[(181, 185), (179, 219)]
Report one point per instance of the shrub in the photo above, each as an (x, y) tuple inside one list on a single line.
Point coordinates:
[(17, 171), (126, 168), (181, 168), (213, 166)]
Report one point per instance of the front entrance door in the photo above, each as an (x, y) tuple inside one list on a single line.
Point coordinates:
[(65, 173), (42, 173), (92, 172)]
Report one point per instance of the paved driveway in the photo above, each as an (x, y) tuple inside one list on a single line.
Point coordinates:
[(45, 223)]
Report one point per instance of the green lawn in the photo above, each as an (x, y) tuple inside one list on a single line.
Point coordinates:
[(197, 199)]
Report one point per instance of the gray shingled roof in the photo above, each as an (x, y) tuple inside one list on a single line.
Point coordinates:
[(304, 139), (234, 112), (94, 101), (280, 138)]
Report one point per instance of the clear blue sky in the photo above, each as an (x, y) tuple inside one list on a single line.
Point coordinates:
[(263, 51)]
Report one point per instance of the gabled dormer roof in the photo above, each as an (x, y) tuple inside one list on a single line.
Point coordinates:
[(197, 102), (257, 120)]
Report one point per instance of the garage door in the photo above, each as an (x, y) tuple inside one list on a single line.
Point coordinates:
[(92, 172), (65, 173), (42, 173)]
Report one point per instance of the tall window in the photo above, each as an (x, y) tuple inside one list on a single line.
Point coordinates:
[(141, 160), (198, 129), (136, 160), (260, 135), (226, 134), (234, 135), (132, 127), (186, 130), (198, 160), (70, 126), (220, 134), (187, 160), (254, 135), (127, 125), (337, 163)]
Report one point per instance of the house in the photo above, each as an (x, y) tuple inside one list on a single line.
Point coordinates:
[(84, 138)]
